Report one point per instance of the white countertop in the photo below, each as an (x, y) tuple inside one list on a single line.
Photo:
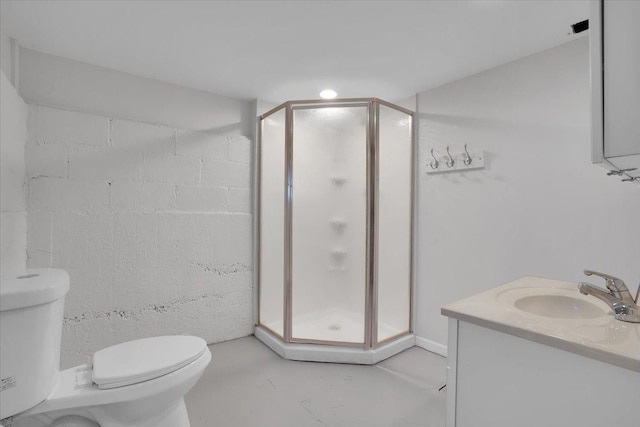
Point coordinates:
[(600, 337)]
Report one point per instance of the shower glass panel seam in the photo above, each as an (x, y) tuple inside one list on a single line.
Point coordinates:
[(288, 188), (258, 213), (372, 227), (414, 159), (369, 221), (376, 215)]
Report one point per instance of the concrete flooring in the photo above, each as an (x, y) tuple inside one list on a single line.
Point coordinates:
[(247, 385)]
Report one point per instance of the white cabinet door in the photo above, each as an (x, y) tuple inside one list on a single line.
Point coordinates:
[(502, 380)]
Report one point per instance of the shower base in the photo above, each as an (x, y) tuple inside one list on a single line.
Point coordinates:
[(336, 326)]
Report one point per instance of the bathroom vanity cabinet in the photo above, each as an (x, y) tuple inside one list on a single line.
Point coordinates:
[(509, 367), (615, 84)]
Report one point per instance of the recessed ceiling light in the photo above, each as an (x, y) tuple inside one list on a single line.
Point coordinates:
[(328, 94)]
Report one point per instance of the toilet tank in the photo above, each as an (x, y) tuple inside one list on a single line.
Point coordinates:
[(31, 314)]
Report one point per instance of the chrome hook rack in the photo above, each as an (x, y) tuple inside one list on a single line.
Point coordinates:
[(466, 160)]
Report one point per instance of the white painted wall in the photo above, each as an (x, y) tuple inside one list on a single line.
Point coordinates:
[(13, 137), (409, 103), (59, 82), (539, 208)]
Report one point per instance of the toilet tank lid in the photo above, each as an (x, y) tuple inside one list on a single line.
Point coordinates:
[(33, 287), (140, 360)]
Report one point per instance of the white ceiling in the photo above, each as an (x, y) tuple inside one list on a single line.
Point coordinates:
[(279, 50)]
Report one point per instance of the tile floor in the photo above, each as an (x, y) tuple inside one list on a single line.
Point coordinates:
[(247, 385)]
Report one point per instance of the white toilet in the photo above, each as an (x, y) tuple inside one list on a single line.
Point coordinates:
[(139, 383)]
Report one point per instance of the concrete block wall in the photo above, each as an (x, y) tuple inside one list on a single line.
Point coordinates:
[(153, 224)]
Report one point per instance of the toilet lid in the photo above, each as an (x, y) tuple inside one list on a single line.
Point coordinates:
[(142, 360)]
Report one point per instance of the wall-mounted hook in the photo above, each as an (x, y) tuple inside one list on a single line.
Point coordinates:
[(450, 162), (435, 163), (467, 156), (461, 162)]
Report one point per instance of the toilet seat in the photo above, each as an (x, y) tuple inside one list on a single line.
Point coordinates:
[(76, 392), (141, 360)]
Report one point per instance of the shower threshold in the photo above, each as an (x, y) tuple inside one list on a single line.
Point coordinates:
[(334, 325), (334, 353)]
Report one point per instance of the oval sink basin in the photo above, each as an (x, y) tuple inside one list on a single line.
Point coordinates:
[(559, 306)]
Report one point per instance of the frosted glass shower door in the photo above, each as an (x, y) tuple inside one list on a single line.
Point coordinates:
[(394, 222), (329, 223), (272, 208)]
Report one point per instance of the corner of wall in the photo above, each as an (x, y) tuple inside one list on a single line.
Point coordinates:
[(13, 138), (432, 346)]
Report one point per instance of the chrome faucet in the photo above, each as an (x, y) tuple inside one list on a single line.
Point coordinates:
[(617, 295)]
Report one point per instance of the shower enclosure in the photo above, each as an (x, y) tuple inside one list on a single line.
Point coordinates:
[(335, 214)]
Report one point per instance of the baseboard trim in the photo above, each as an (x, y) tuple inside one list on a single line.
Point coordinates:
[(431, 346)]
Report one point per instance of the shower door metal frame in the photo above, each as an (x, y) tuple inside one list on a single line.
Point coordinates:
[(372, 174)]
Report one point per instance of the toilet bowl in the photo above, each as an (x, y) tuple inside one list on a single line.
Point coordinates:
[(140, 383), (147, 391)]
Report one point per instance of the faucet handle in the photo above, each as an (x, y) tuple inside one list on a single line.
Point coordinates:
[(613, 283)]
